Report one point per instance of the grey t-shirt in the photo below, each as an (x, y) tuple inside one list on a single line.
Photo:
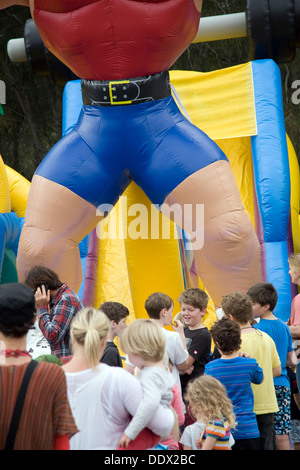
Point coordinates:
[(191, 434)]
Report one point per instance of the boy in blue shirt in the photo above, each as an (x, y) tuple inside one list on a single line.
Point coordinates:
[(237, 373), (264, 298)]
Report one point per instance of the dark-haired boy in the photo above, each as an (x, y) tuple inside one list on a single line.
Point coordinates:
[(236, 373), (264, 300), (117, 313)]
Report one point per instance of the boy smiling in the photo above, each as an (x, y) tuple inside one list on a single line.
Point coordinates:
[(193, 302)]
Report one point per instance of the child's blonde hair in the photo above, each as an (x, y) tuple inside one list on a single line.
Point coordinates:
[(208, 400), (144, 338), (90, 328), (294, 261)]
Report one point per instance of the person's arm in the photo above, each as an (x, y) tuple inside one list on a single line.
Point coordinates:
[(276, 371), (198, 4), (276, 363), (294, 322), (258, 375), (178, 328), (197, 349), (291, 359), (295, 331), (62, 442), (185, 367), (55, 326), (209, 443), (145, 411), (182, 360)]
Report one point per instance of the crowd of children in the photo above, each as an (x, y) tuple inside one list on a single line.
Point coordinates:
[(236, 382), (172, 382)]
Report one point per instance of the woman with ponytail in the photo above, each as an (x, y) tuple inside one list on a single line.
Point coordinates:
[(102, 398)]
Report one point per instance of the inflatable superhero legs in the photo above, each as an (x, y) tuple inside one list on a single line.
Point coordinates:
[(175, 164)]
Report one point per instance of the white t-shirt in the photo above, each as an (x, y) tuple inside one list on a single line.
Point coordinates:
[(191, 434), (102, 403), (176, 352), (36, 343)]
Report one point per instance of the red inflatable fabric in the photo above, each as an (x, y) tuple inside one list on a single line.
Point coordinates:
[(115, 39)]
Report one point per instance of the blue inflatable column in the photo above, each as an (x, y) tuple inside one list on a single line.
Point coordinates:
[(272, 178)]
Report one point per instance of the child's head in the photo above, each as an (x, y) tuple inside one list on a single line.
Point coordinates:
[(193, 302), (264, 298), (294, 265), (158, 304), (208, 400), (195, 297), (89, 328), (239, 306), (117, 314), (226, 334), (143, 338)]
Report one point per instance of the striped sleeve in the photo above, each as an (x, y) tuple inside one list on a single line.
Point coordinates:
[(221, 432)]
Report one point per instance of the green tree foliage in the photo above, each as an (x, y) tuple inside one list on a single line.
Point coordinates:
[(31, 123)]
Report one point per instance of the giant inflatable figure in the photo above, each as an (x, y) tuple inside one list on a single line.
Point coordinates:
[(130, 128)]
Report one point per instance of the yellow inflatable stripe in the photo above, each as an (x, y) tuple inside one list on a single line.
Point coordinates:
[(128, 268), (5, 202), (213, 100), (19, 190), (295, 195)]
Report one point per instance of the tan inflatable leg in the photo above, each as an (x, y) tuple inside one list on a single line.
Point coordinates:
[(229, 259), (56, 221)]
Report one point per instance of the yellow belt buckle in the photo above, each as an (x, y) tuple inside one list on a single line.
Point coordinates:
[(110, 88)]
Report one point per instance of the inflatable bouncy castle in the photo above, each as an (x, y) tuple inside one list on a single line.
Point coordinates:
[(239, 109), (266, 170), (13, 196)]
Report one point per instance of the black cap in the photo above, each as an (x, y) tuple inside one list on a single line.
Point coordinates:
[(17, 304)]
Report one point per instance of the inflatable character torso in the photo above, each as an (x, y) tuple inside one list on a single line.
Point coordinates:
[(116, 39)]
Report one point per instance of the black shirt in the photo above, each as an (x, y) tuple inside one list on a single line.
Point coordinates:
[(198, 344), (111, 355)]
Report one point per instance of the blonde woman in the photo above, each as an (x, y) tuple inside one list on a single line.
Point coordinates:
[(103, 399), (211, 406), (144, 343)]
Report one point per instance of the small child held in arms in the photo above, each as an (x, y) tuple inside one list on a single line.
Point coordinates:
[(236, 373), (117, 314), (211, 406), (144, 343)]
